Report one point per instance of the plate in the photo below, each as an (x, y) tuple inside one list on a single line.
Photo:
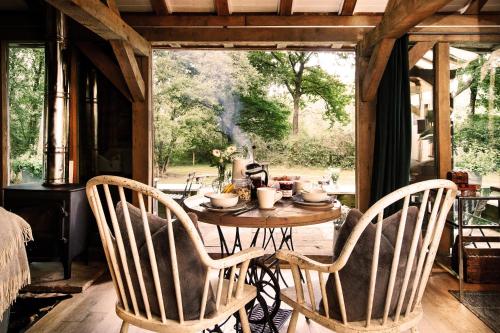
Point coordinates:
[(209, 207), (299, 200)]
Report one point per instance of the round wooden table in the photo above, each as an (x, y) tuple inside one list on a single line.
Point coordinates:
[(285, 215), (264, 273)]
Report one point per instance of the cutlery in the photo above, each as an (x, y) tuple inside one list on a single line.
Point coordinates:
[(244, 210)]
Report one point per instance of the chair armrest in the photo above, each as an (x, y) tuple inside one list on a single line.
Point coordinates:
[(237, 258), (302, 261)]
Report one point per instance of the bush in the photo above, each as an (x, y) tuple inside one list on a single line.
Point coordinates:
[(335, 149), (29, 163), (477, 142)]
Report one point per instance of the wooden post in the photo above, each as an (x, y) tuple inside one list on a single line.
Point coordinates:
[(142, 129), (365, 136), (442, 127), (4, 104)]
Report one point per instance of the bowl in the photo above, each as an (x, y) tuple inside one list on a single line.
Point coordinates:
[(314, 195), (223, 200)]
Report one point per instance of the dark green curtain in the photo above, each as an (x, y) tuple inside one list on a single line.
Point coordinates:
[(392, 151)]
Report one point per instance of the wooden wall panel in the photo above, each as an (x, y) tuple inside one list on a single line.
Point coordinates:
[(442, 108)]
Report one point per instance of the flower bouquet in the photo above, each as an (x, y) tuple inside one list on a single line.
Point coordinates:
[(220, 159)]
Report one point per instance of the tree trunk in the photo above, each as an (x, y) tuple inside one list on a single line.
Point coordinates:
[(296, 109), (491, 100), (472, 103)]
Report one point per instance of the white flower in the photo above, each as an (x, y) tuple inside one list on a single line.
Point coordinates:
[(231, 149), (216, 152)]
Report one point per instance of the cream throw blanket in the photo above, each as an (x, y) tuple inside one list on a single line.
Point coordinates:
[(14, 268)]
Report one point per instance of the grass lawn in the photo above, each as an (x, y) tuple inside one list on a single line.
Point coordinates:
[(177, 174)]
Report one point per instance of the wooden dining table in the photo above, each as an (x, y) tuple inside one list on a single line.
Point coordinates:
[(264, 273), (286, 214)]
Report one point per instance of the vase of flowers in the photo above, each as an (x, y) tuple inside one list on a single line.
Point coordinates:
[(220, 159)]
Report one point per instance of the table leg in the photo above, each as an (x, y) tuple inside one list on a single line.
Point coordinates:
[(460, 251), (224, 250)]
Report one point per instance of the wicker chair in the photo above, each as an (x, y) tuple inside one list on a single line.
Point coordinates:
[(303, 298), (231, 294)]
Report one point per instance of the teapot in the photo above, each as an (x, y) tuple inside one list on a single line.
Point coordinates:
[(254, 169)]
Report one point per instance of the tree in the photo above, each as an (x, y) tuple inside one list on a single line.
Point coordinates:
[(26, 68), (26, 99), (263, 116), (477, 143), (302, 79), (482, 77), (182, 109)]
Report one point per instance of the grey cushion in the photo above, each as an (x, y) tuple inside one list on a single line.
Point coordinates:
[(355, 275), (191, 270)]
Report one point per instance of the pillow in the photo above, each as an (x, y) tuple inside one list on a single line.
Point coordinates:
[(355, 275), (191, 269)]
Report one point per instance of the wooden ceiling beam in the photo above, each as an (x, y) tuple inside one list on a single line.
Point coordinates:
[(155, 21), (417, 52), (222, 7), (399, 19), (451, 38), (474, 7), (376, 67), (347, 7), (286, 7), (251, 35), (103, 21), (128, 63), (105, 65), (160, 7), (130, 69)]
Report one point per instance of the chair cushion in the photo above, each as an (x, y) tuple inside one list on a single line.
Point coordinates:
[(191, 269), (355, 275)]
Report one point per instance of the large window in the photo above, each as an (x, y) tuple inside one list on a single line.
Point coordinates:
[(475, 92), (294, 110), (26, 82)]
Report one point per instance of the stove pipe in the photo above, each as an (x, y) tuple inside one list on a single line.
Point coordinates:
[(92, 120), (56, 113)]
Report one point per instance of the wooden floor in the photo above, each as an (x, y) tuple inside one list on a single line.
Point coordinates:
[(93, 311), (314, 240)]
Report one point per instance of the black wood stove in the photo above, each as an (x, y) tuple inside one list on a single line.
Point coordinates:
[(59, 217)]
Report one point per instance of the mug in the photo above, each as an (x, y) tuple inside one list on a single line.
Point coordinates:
[(267, 196)]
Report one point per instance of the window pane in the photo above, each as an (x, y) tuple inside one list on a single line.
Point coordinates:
[(206, 100), (475, 92), (26, 67)]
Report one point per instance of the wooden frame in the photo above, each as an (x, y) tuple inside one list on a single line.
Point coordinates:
[(103, 21), (442, 110), (4, 106), (142, 128), (231, 295), (445, 192)]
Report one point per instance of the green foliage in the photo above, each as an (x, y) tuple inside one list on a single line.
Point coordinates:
[(477, 142), (26, 101), (200, 96), (302, 80), (29, 163), (476, 76), (263, 116), (321, 85), (334, 149)]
